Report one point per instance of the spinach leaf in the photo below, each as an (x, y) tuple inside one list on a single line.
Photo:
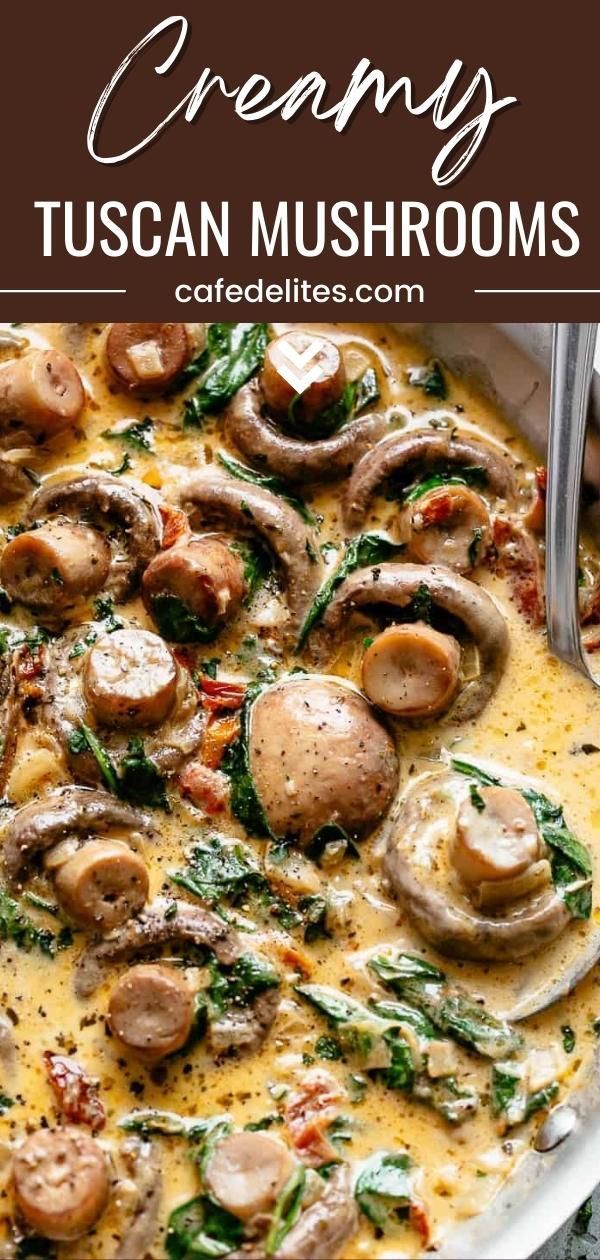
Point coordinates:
[(17, 926), (202, 1228), (449, 1008), (470, 475), (139, 435), (242, 350), (383, 1190), (286, 1210), (571, 862), (355, 396), (240, 984), (257, 566), (454, 1102), (510, 1099), (122, 468), (153, 1120), (333, 842), (268, 482), (313, 909), (430, 379), (568, 1038), (361, 1032), (245, 802), (140, 780), (105, 612), (328, 1048), (361, 552), (177, 623), (218, 872), (5, 1103)]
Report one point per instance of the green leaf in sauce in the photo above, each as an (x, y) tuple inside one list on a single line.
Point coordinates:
[(430, 379), (268, 482), (257, 566), (287, 1210), (470, 475), (177, 623), (241, 349), (510, 1099), (140, 780), (202, 1228), (449, 1008), (245, 802), (355, 396), (383, 1190), (453, 1101), (17, 926), (360, 553), (138, 436)]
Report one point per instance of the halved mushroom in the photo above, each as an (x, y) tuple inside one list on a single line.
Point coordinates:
[(399, 455), (40, 392), (250, 510), (412, 671), (146, 359), (395, 586), (205, 576), (61, 1182), (104, 502), (296, 459), (49, 569), (69, 813), (247, 1172), (448, 525), (319, 755), (444, 849), (120, 683), (167, 923), (151, 1011)]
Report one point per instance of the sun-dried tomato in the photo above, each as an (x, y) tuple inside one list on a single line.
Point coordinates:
[(75, 1091)]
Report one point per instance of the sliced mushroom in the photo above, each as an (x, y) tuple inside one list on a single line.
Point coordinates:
[(49, 569), (143, 1166), (394, 586), (427, 856), (61, 1182), (147, 359), (151, 1011), (68, 813), (105, 501), (252, 510), (412, 671), (319, 755), (326, 1226), (205, 574), (399, 454), (130, 678), (125, 680), (295, 459), (324, 372), (102, 884), (156, 927), (247, 1172), (449, 525), (40, 391)]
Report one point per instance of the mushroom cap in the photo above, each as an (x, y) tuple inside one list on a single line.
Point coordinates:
[(418, 866), (319, 755)]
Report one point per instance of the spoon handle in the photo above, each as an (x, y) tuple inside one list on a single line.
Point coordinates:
[(572, 365)]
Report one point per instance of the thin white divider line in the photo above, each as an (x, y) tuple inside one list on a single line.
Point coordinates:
[(63, 290), (536, 290)]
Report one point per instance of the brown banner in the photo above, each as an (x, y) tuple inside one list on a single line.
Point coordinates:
[(535, 172)]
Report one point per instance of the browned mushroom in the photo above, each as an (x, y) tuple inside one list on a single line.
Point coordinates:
[(40, 391), (477, 884), (69, 813), (249, 509), (247, 1172), (394, 586), (151, 1011), (119, 683), (398, 455), (285, 369), (49, 569), (105, 502), (319, 755), (412, 671), (206, 576), (147, 359), (61, 1182), (448, 525)]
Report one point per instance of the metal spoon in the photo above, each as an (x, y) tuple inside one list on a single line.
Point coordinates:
[(572, 365)]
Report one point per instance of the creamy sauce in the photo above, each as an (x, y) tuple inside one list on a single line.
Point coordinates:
[(539, 717)]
